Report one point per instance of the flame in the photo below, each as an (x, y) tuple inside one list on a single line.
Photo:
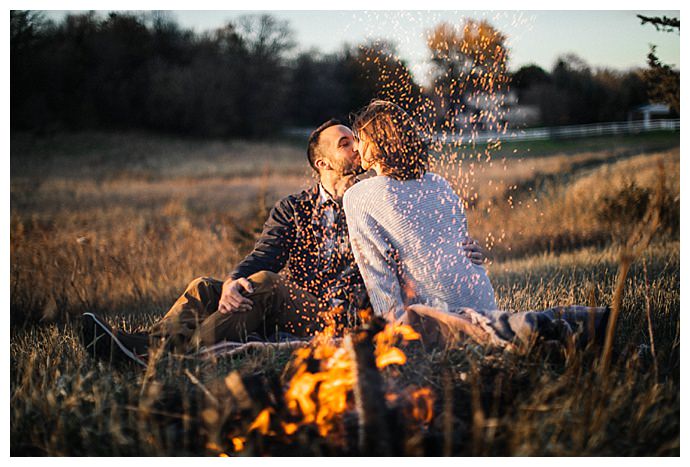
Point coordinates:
[(289, 428), (211, 446), (365, 315), (323, 379), (407, 333), (422, 405), (238, 443), (392, 356), (322, 396), (386, 352), (262, 421)]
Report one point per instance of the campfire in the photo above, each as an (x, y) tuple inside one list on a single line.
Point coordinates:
[(339, 389)]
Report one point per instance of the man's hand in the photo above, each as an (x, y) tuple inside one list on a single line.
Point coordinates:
[(231, 298), (473, 251)]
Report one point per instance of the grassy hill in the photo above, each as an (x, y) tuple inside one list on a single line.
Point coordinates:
[(120, 223)]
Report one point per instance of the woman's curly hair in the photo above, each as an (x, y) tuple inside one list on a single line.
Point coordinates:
[(400, 147)]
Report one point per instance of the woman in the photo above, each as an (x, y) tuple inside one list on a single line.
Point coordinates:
[(407, 225), (406, 229)]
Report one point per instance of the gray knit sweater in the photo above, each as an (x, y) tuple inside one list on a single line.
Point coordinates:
[(407, 239)]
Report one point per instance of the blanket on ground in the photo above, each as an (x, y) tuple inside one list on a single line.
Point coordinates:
[(507, 329), (438, 328)]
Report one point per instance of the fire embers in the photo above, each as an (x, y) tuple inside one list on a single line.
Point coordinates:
[(322, 402)]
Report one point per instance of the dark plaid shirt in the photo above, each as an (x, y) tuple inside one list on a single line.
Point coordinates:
[(307, 231)]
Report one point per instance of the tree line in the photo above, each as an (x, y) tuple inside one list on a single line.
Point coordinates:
[(573, 93), (245, 79)]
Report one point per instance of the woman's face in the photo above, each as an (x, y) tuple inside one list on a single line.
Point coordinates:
[(365, 147)]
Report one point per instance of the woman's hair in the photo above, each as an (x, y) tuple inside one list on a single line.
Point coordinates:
[(398, 143)]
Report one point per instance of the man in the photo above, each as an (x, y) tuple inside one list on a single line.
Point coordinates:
[(306, 231)]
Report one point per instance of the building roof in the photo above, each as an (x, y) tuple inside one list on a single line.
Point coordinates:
[(653, 108)]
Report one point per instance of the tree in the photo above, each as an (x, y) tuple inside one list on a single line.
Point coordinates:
[(574, 93), (380, 73), (470, 66), (663, 23), (663, 81), (125, 70), (528, 76), (28, 42), (318, 88), (265, 73)]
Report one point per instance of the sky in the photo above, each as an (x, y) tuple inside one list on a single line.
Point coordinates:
[(610, 39)]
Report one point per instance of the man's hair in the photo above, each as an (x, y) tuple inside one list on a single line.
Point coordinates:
[(312, 145), (400, 147)]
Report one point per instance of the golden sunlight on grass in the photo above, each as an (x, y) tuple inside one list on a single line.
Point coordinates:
[(119, 224)]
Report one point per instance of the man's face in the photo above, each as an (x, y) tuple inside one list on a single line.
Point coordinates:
[(337, 146)]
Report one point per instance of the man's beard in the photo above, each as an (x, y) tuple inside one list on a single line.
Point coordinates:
[(349, 170), (355, 170)]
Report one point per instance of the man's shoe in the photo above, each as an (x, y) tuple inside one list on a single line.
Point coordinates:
[(102, 342)]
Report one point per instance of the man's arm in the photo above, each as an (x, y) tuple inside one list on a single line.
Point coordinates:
[(474, 251), (270, 253), (470, 246)]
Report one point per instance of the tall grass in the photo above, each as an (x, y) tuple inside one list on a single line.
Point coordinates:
[(125, 243)]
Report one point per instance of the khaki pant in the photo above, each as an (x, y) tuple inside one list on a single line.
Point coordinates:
[(278, 305)]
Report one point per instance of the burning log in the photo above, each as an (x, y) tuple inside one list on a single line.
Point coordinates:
[(374, 432), (316, 401)]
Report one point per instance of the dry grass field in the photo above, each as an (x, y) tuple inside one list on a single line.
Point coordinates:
[(120, 223)]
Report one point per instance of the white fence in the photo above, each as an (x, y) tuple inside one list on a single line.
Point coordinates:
[(535, 134), (571, 131)]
